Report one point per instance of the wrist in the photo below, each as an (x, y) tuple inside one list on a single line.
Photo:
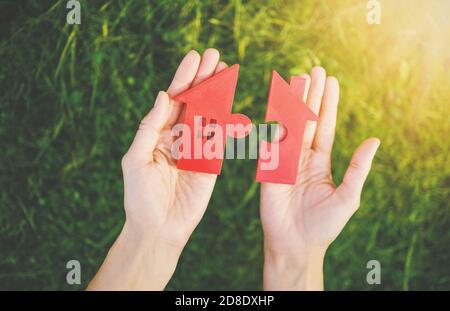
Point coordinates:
[(137, 261), (153, 259), (293, 270), (147, 244)]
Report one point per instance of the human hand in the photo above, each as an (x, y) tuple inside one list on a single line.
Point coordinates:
[(300, 221), (161, 200), (163, 205)]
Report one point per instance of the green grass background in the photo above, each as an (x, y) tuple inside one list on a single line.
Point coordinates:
[(71, 98)]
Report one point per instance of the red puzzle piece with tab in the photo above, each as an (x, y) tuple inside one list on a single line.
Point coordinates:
[(209, 103), (285, 105)]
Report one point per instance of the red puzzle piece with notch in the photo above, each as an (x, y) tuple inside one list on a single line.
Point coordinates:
[(286, 106), (210, 103)]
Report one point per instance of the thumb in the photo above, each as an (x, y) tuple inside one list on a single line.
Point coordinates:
[(149, 130), (358, 170)]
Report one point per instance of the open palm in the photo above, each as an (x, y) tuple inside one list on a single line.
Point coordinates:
[(309, 215)]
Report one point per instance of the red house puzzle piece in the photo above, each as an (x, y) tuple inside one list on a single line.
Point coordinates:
[(209, 103), (285, 105)]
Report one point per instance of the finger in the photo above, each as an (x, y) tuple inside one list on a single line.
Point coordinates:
[(148, 134), (318, 76), (307, 86), (185, 73), (208, 65), (182, 80), (326, 126), (358, 170), (221, 66)]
